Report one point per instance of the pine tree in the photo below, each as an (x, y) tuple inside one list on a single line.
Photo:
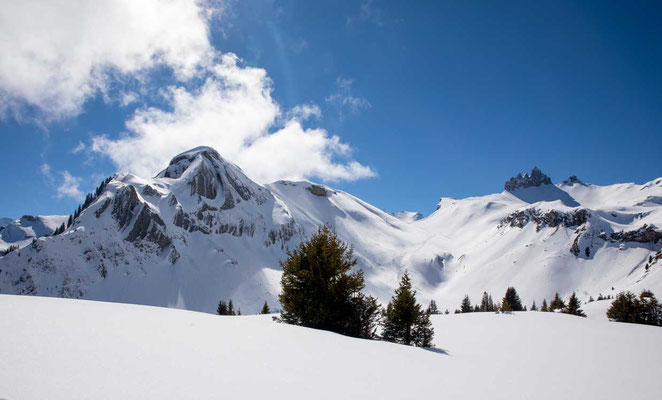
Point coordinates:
[(238, 311), (222, 308), (573, 307), (446, 312), (404, 320), (320, 291), (490, 304), (624, 308), (485, 303), (544, 308), (265, 308), (650, 310), (533, 306), (432, 308), (513, 299), (506, 308), (557, 303), (70, 221), (465, 307), (231, 308)]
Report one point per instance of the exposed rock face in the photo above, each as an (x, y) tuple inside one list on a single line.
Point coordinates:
[(149, 191), (103, 208), (125, 201), (536, 178), (149, 226), (551, 219), (205, 182), (645, 234), (317, 190), (573, 180)]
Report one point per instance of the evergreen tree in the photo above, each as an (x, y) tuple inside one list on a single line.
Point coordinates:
[(476, 308), (222, 308), (231, 308), (513, 299), (404, 320), (446, 312), (465, 307), (485, 303), (650, 310), (319, 290), (238, 311), (624, 308), (70, 221), (506, 308), (573, 307), (265, 308), (432, 308), (557, 303), (533, 306), (490, 304), (544, 308)]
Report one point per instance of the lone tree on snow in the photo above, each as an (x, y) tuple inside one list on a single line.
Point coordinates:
[(513, 299), (319, 291), (265, 308), (405, 321), (574, 306)]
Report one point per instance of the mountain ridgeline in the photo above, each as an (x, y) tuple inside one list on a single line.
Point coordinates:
[(201, 231)]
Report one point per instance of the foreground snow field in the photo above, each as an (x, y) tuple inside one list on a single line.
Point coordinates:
[(55, 348)]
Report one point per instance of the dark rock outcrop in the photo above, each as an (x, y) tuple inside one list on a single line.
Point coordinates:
[(536, 178), (317, 190), (149, 226), (126, 200), (645, 234), (552, 218)]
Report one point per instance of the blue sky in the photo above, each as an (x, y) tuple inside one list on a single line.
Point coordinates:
[(435, 99)]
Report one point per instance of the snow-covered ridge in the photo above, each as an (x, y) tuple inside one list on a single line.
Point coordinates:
[(201, 231)]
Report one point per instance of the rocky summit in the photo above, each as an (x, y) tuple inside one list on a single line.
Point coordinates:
[(535, 178)]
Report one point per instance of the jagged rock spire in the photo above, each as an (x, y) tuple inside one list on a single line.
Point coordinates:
[(536, 178)]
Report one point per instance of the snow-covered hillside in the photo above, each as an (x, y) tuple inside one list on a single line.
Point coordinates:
[(64, 349), (201, 231), (21, 231)]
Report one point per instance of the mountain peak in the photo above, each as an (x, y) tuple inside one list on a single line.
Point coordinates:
[(535, 178)]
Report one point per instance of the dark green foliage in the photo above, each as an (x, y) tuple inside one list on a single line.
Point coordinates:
[(486, 303), (557, 303), (405, 321), (265, 308), (222, 308), (533, 306), (320, 291), (506, 307), (513, 299), (231, 308), (238, 311), (9, 249), (465, 307), (432, 308), (59, 230), (544, 308), (574, 306), (70, 220), (643, 310)]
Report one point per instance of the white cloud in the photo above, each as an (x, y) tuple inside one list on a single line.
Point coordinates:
[(302, 112), (368, 12), (46, 172), (69, 187), (343, 98), (233, 111), (79, 147), (59, 53)]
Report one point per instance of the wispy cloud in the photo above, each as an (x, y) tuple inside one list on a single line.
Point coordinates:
[(368, 12), (79, 147), (69, 187), (344, 99), (46, 173)]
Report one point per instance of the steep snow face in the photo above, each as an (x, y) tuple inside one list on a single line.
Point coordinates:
[(201, 231), (23, 230), (117, 348)]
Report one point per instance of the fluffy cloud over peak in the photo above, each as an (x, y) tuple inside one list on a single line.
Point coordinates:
[(232, 111), (58, 54)]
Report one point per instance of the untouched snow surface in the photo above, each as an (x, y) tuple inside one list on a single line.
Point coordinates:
[(71, 349)]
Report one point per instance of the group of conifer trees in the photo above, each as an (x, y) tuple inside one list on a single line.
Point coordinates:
[(89, 199), (512, 302), (627, 307), (319, 290), (228, 308)]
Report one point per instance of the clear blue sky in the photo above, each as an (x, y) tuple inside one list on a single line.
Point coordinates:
[(453, 97)]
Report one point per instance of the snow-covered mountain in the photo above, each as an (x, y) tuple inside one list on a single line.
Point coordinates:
[(201, 231), (21, 231)]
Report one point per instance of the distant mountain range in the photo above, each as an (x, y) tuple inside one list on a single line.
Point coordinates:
[(201, 231)]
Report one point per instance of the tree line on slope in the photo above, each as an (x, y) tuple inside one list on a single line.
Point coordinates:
[(512, 302)]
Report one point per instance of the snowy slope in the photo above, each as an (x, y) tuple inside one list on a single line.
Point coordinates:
[(201, 231), (21, 231), (63, 349)]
